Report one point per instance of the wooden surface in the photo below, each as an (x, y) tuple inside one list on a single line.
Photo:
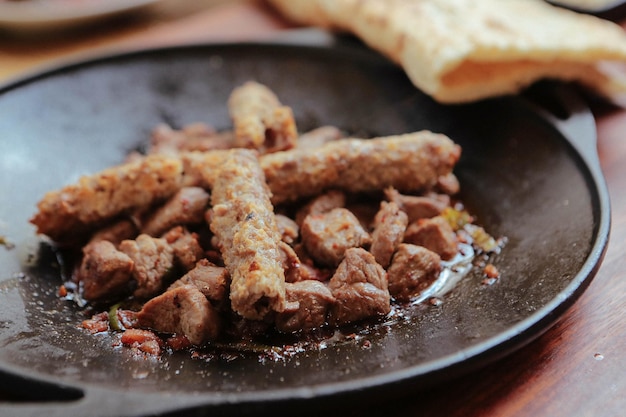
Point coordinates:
[(577, 368)]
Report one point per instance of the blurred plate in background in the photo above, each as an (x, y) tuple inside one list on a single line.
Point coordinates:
[(41, 15)]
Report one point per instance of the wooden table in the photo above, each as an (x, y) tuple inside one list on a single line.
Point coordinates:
[(577, 368)]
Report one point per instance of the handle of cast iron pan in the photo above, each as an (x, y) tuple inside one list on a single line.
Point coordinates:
[(105, 402), (570, 114)]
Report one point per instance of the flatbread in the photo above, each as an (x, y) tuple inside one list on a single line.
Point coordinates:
[(459, 50)]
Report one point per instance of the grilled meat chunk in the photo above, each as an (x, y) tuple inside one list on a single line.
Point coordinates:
[(182, 310), (210, 279), (389, 226), (419, 207), (308, 303), (104, 271), (153, 259), (412, 270), (326, 237), (321, 204), (288, 229), (201, 167), (186, 247), (319, 136), (360, 287), (435, 234), (185, 207), (116, 232), (194, 137)]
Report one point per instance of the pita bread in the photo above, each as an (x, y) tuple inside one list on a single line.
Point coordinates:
[(460, 50)]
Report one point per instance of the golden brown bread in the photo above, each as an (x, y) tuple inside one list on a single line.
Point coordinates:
[(459, 50)]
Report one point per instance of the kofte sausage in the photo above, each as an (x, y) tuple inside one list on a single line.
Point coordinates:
[(260, 120), (243, 222), (409, 162), (77, 208)]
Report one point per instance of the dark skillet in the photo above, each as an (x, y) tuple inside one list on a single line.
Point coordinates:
[(612, 10), (527, 173)]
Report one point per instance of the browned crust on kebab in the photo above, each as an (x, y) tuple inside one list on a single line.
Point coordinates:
[(260, 120), (243, 222), (201, 167), (408, 162), (77, 208)]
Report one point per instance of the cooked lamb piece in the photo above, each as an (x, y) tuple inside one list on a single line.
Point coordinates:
[(311, 272), (183, 310), (210, 279), (116, 232), (288, 229), (409, 162), (244, 224), (165, 140), (322, 204), (412, 270), (185, 207), (389, 226), (308, 269), (153, 258), (360, 288), (80, 207), (201, 167), (319, 136), (291, 264), (194, 137), (259, 119), (365, 210), (104, 271), (418, 207), (327, 236), (186, 247), (435, 234), (448, 184), (308, 303)]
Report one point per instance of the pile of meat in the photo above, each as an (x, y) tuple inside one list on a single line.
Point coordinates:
[(260, 227)]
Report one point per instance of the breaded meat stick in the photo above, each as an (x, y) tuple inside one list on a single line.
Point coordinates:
[(244, 224), (408, 162), (260, 120), (76, 208)]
